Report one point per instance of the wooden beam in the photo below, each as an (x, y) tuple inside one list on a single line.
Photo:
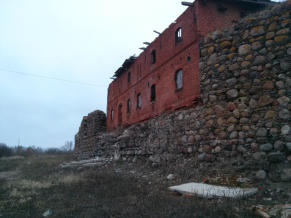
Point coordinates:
[(157, 32), (190, 4)]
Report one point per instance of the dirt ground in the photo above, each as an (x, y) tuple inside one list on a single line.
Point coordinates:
[(36, 186)]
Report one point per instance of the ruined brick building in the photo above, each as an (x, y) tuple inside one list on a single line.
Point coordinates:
[(165, 76), (241, 75)]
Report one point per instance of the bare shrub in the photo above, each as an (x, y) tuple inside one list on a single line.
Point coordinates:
[(5, 151)]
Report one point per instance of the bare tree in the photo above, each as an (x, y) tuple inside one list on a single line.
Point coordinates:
[(68, 146)]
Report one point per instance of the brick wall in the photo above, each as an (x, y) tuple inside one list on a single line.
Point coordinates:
[(170, 57)]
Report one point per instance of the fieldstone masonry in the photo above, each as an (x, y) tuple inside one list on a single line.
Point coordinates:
[(244, 112), (91, 127)]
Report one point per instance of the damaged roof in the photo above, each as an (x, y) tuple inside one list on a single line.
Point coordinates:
[(261, 2), (125, 66), (128, 62)]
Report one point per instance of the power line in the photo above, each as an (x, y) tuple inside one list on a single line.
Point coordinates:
[(51, 78)]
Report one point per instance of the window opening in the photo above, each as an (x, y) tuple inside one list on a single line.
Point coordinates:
[(112, 115), (153, 57), (138, 100), (179, 79), (128, 77), (221, 8), (128, 106), (120, 115), (153, 93), (178, 35), (85, 124)]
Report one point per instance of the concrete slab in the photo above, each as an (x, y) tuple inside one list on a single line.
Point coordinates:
[(210, 191)]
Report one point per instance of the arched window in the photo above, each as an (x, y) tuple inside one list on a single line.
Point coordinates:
[(112, 115), (128, 106), (178, 35), (179, 79)]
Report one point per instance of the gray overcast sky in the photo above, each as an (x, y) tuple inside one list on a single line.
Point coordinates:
[(78, 40)]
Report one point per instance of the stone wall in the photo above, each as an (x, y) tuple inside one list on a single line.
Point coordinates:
[(246, 83), (91, 127), (244, 111)]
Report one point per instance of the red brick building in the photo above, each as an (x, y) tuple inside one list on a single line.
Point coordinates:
[(165, 76)]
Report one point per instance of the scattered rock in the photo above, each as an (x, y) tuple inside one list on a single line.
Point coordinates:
[(243, 180), (261, 175), (155, 158), (170, 177), (47, 213)]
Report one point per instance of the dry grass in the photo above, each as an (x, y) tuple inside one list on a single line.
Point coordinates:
[(16, 157), (97, 192)]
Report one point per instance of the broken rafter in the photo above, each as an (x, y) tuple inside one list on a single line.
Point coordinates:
[(146, 43), (142, 48), (157, 32), (125, 66)]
